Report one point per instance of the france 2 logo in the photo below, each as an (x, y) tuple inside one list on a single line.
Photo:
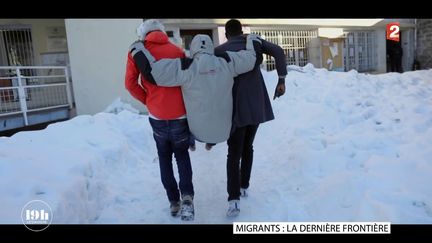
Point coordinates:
[(392, 31)]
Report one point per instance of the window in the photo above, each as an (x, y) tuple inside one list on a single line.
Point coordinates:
[(359, 49), (293, 42), (16, 49), (16, 46)]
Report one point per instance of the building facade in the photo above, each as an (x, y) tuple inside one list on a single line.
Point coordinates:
[(34, 73), (95, 50)]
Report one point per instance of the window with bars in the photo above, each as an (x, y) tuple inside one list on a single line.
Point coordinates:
[(293, 42), (359, 49), (16, 46), (16, 49)]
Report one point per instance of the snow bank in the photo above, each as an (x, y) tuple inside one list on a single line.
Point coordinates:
[(71, 165), (118, 105)]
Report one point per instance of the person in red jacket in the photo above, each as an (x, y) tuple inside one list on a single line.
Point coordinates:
[(167, 116)]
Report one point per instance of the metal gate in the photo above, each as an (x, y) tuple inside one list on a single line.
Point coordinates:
[(359, 51), (16, 49), (293, 42), (16, 46)]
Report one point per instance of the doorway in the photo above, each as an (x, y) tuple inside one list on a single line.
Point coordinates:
[(394, 54)]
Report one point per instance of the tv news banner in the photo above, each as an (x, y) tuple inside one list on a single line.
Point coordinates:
[(311, 228)]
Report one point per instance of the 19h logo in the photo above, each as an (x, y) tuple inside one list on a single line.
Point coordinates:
[(36, 215), (393, 30)]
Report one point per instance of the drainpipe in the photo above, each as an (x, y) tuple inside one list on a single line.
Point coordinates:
[(416, 64), (415, 39)]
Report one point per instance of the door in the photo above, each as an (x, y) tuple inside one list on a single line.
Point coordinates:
[(408, 49), (394, 55)]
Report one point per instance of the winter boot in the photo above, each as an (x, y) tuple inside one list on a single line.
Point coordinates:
[(174, 208), (187, 208)]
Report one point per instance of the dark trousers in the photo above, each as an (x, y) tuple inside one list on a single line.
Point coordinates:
[(396, 64), (172, 137), (191, 140), (240, 146)]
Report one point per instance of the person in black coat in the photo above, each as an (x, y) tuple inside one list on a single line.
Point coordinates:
[(251, 108), (395, 53)]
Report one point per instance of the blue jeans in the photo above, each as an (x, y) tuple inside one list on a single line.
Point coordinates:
[(172, 137)]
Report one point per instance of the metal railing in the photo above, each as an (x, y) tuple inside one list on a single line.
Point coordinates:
[(25, 89)]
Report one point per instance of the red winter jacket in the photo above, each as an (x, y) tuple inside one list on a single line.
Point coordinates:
[(165, 103)]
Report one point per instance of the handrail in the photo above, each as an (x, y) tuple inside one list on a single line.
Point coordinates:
[(20, 90)]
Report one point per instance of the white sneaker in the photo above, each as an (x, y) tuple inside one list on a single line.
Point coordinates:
[(243, 192), (233, 208)]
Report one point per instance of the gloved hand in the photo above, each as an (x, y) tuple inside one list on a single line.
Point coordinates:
[(136, 47), (280, 88)]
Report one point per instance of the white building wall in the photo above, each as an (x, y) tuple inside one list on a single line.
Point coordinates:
[(215, 36), (221, 35), (381, 58), (315, 52), (98, 51)]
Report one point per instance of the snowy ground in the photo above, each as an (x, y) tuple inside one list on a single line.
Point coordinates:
[(343, 147)]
